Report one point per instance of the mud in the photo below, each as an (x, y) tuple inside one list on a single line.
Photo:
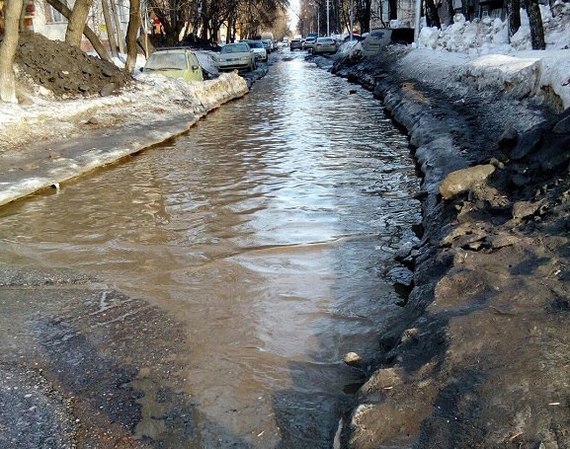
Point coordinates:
[(65, 71), (80, 362), (478, 356)]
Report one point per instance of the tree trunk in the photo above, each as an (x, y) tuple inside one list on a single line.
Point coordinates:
[(110, 27), (432, 16), (119, 30), (363, 14), (230, 29), (392, 9), (77, 21), (8, 49), (536, 28), (22, 22), (513, 16), (132, 30), (89, 33)]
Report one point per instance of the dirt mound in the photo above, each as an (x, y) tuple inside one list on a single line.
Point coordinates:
[(65, 70)]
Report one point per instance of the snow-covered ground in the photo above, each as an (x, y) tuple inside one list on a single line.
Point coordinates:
[(480, 52), (46, 142), (152, 97)]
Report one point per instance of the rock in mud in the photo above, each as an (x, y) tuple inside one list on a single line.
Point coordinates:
[(525, 209), (352, 358), (461, 181), (527, 144), (107, 90), (508, 138), (563, 126)]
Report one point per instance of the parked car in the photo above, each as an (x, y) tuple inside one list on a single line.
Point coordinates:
[(236, 56), (283, 43), (296, 44), (355, 37), (379, 38), (267, 35), (268, 44), (324, 45), (309, 42), (208, 64), (177, 63), (375, 41), (258, 48)]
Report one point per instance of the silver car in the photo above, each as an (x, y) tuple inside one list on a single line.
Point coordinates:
[(238, 56), (324, 45), (309, 43)]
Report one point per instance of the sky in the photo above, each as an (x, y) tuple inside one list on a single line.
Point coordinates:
[(293, 12)]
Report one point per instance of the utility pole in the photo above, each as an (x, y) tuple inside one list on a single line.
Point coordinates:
[(328, 17)]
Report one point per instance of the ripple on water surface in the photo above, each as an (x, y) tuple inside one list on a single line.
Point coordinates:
[(265, 231)]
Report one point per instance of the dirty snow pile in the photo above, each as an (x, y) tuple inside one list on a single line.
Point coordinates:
[(479, 52), (491, 35)]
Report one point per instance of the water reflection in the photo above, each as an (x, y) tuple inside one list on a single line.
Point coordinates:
[(265, 230)]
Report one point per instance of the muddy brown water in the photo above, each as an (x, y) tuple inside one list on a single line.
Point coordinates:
[(266, 232)]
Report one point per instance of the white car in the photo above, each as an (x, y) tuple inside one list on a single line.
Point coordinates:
[(236, 56), (258, 48)]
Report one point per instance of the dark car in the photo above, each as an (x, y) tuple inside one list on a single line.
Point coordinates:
[(296, 44)]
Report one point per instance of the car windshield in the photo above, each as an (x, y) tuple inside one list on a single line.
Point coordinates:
[(377, 34), (164, 60), (235, 48), (325, 40), (257, 44)]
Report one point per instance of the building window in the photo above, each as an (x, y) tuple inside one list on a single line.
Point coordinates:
[(54, 16)]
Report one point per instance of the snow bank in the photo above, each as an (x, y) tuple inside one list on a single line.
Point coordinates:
[(43, 117), (492, 62), (488, 35), (153, 110)]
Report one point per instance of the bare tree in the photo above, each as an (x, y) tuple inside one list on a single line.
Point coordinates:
[(432, 16), (76, 22), (392, 9), (118, 29), (513, 16), (89, 33), (363, 14), (110, 27), (536, 28), (132, 31), (8, 49), (176, 15)]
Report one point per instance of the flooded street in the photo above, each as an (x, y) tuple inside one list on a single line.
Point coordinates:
[(265, 233)]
